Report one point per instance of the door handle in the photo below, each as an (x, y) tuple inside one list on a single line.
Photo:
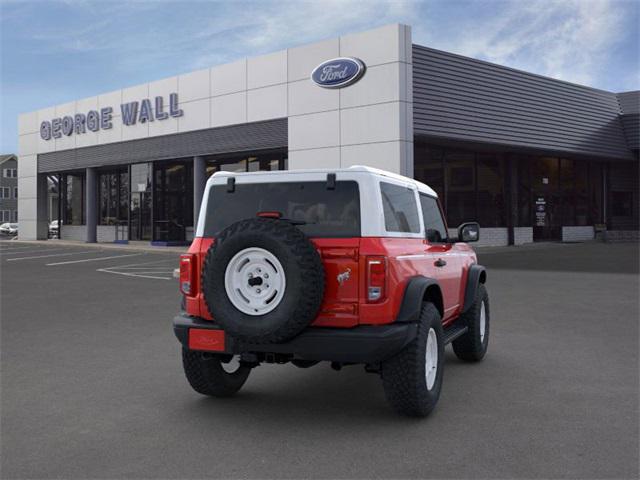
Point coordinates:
[(439, 263)]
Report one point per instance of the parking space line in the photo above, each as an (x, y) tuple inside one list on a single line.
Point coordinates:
[(52, 255), (145, 263), (92, 259), (38, 250), (15, 249), (143, 270), (129, 274), (161, 267)]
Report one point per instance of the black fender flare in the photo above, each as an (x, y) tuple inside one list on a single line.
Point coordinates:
[(417, 288), (477, 274)]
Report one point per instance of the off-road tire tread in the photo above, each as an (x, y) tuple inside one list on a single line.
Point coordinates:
[(401, 374), (206, 376), (468, 347)]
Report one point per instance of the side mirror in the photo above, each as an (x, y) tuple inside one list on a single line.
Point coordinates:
[(469, 232)]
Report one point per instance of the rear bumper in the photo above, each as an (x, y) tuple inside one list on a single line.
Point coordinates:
[(363, 344)]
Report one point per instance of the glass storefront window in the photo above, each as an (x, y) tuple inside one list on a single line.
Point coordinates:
[(567, 192), (123, 196), (549, 192), (428, 168), (140, 202), (173, 200), (581, 176), (141, 177), (73, 199), (263, 162), (573, 192), (596, 189), (113, 198), (491, 199), (623, 199), (460, 187), (523, 166)]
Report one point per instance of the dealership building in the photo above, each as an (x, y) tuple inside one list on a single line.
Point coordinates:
[(530, 158)]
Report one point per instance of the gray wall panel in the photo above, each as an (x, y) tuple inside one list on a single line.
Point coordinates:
[(237, 138), (631, 126), (630, 107), (629, 101), (456, 97)]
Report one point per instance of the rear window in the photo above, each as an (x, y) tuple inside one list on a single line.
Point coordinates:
[(321, 212), (400, 209)]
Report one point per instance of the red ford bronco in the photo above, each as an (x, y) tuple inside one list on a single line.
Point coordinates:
[(349, 266)]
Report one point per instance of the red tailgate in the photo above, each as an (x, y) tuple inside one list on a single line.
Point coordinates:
[(342, 280)]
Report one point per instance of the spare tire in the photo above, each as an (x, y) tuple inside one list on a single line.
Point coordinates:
[(263, 280)]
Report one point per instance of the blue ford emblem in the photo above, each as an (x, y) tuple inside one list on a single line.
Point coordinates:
[(338, 73)]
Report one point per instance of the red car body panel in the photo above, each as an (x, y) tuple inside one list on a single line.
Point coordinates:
[(345, 302)]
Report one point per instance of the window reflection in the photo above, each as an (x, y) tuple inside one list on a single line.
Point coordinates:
[(73, 199), (254, 163), (113, 197)]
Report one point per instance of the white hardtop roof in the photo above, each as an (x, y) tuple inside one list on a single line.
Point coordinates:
[(353, 169)]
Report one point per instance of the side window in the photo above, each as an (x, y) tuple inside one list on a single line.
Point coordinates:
[(400, 209), (434, 226)]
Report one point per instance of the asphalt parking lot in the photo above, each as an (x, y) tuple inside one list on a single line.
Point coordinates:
[(92, 385)]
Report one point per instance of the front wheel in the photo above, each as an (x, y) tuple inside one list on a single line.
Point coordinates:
[(214, 375), (472, 346), (412, 379)]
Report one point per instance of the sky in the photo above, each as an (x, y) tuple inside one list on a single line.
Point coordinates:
[(55, 51)]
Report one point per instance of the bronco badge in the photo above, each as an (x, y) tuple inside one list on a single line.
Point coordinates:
[(344, 276)]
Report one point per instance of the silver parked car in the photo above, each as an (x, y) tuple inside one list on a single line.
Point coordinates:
[(9, 229)]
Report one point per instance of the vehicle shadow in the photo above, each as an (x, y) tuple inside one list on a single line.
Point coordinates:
[(302, 398), (305, 399)]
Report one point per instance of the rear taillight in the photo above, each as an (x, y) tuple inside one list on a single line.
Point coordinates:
[(376, 279), (188, 269)]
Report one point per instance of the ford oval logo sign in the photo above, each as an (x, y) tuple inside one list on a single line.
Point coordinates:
[(338, 73)]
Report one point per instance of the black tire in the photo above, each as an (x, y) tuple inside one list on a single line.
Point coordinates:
[(404, 376), (303, 269), (207, 376), (470, 347)]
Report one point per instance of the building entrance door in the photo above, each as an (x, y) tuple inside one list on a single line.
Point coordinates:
[(546, 200)]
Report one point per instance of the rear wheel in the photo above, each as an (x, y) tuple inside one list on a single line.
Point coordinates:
[(214, 375), (412, 379)]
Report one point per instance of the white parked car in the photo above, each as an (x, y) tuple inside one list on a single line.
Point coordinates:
[(9, 229), (54, 229)]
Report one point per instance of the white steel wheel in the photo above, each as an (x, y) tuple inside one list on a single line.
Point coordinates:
[(431, 359), (483, 321), (255, 281), (232, 365)]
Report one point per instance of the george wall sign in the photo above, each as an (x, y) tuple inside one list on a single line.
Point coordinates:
[(94, 120), (339, 72)]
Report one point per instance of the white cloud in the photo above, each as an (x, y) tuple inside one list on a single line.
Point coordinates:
[(569, 40), (272, 25)]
